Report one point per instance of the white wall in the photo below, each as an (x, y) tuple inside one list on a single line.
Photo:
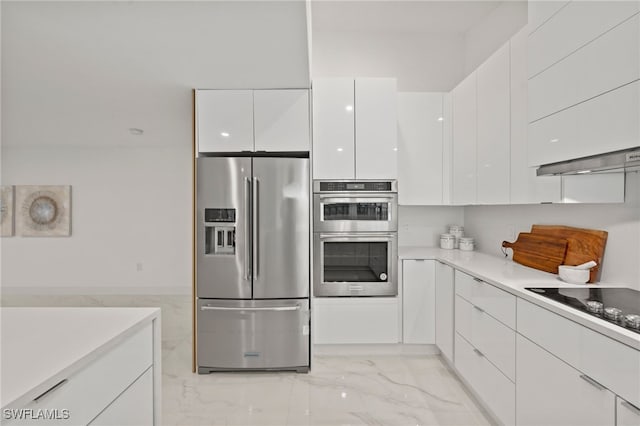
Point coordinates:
[(489, 34), (490, 225), (422, 225), (421, 62), (130, 206)]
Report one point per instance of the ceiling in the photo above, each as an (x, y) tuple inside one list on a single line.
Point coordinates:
[(400, 16)]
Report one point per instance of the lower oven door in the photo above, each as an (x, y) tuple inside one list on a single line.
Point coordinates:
[(253, 335), (355, 264)]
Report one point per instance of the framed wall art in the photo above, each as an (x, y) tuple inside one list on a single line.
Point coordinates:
[(6, 211), (43, 210)]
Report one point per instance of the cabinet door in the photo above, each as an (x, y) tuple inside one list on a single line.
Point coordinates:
[(281, 119), (627, 414), (376, 126), (464, 142), (333, 129), (444, 309), (493, 128), (548, 391), (224, 120), (526, 187), (418, 301), (420, 148), (134, 407)]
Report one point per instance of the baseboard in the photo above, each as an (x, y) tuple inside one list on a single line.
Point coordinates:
[(375, 349)]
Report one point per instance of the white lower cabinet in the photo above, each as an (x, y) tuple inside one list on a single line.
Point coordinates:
[(494, 388), (444, 309), (87, 393), (627, 414), (418, 301), (134, 407), (551, 392), (355, 320)]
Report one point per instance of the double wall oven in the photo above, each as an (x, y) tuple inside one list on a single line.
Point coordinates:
[(355, 238)]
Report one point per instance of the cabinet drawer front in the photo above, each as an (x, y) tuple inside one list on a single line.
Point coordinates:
[(497, 303), (551, 392), (495, 389), (353, 320), (463, 318), (606, 123), (622, 375), (609, 62), (464, 283), (90, 390), (626, 414), (133, 408), (496, 341), (572, 27), (554, 333)]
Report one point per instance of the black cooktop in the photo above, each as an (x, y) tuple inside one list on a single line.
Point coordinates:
[(620, 306)]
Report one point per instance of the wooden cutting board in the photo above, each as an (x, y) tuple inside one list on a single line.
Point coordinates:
[(538, 251), (583, 245)]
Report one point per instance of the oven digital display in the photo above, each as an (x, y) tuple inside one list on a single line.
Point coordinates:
[(355, 186)]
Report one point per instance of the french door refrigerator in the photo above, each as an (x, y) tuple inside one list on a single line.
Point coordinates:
[(252, 263)]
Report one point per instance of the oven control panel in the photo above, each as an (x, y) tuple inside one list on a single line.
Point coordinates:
[(354, 186)]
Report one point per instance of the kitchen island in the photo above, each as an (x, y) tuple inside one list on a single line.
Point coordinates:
[(80, 365)]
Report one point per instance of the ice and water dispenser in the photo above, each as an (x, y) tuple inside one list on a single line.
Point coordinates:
[(220, 231)]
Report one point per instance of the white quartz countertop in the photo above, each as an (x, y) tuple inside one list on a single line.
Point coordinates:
[(41, 346), (513, 278)]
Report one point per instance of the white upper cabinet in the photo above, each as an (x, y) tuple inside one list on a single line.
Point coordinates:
[(584, 84), (464, 141), (224, 120), (354, 128), (376, 128), (493, 138), (420, 148), (281, 120), (252, 120), (526, 187)]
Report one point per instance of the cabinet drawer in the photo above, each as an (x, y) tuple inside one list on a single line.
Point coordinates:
[(606, 123), (463, 318), (496, 341), (536, 324), (353, 320), (626, 413), (497, 303), (572, 27), (495, 389), (89, 391), (621, 376), (609, 62), (133, 408), (464, 283)]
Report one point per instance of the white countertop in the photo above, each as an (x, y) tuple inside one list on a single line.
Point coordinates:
[(513, 278), (41, 346)]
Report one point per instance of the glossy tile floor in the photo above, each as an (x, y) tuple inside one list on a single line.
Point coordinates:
[(380, 390)]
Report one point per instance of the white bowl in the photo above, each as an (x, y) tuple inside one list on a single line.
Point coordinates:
[(572, 275)]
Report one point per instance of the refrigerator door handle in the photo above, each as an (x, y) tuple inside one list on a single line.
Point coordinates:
[(274, 308), (247, 229), (256, 228)]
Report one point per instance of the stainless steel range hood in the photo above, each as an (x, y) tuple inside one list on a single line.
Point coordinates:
[(626, 160)]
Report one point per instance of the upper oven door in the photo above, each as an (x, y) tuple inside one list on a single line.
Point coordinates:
[(355, 212)]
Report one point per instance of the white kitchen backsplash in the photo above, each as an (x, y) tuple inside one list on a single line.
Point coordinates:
[(422, 225), (490, 225)]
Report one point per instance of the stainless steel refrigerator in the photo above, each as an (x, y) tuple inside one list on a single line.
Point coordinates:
[(252, 263)]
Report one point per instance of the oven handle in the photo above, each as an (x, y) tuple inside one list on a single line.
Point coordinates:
[(359, 199), (358, 236)]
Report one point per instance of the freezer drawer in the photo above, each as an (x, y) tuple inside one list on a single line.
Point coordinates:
[(253, 335)]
